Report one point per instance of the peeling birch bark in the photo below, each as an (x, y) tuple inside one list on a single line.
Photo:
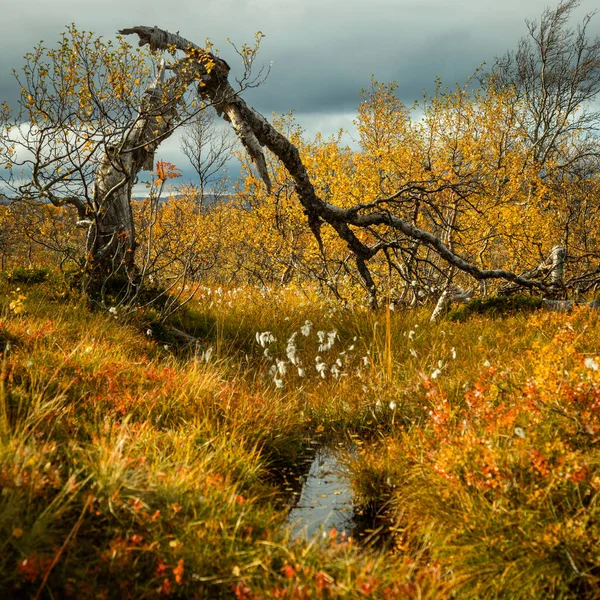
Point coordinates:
[(248, 139), (557, 257), (450, 294)]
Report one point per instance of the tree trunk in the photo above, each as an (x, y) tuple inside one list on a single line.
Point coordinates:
[(111, 239)]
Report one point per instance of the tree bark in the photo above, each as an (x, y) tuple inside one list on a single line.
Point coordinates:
[(111, 239)]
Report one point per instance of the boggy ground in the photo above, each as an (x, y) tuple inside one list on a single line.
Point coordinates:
[(132, 465)]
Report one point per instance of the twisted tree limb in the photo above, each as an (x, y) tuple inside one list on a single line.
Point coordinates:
[(256, 132), (215, 71)]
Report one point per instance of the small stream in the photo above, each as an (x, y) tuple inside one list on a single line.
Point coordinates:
[(325, 499)]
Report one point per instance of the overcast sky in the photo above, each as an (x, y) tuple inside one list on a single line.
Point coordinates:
[(323, 51)]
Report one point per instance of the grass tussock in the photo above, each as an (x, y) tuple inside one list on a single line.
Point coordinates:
[(136, 465)]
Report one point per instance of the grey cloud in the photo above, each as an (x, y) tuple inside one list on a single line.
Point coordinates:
[(323, 51)]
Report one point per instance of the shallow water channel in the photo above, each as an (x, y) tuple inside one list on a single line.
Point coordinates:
[(324, 501)]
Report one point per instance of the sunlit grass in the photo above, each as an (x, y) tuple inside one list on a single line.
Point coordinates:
[(131, 462)]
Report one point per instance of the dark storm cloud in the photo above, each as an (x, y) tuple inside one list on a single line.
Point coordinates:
[(323, 51)]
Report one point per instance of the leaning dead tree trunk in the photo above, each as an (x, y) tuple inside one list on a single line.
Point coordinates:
[(256, 133)]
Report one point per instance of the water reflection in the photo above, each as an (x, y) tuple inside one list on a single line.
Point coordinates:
[(325, 501)]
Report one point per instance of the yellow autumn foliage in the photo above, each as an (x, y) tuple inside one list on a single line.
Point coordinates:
[(459, 165)]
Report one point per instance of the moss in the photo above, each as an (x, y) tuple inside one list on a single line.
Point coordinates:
[(27, 275), (497, 306)]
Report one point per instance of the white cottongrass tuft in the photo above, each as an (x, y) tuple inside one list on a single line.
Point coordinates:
[(281, 367), (321, 367), (265, 338), (306, 328), (590, 363), (291, 350), (326, 345)]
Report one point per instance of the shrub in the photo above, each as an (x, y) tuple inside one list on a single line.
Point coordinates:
[(28, 275)]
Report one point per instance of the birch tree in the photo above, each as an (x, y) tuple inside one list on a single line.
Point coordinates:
[(256, 133), (554, 75), (208, 149), (91, 117), (105, 144)]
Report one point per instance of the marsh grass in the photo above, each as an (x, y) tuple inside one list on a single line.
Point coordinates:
[(132, 466)]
